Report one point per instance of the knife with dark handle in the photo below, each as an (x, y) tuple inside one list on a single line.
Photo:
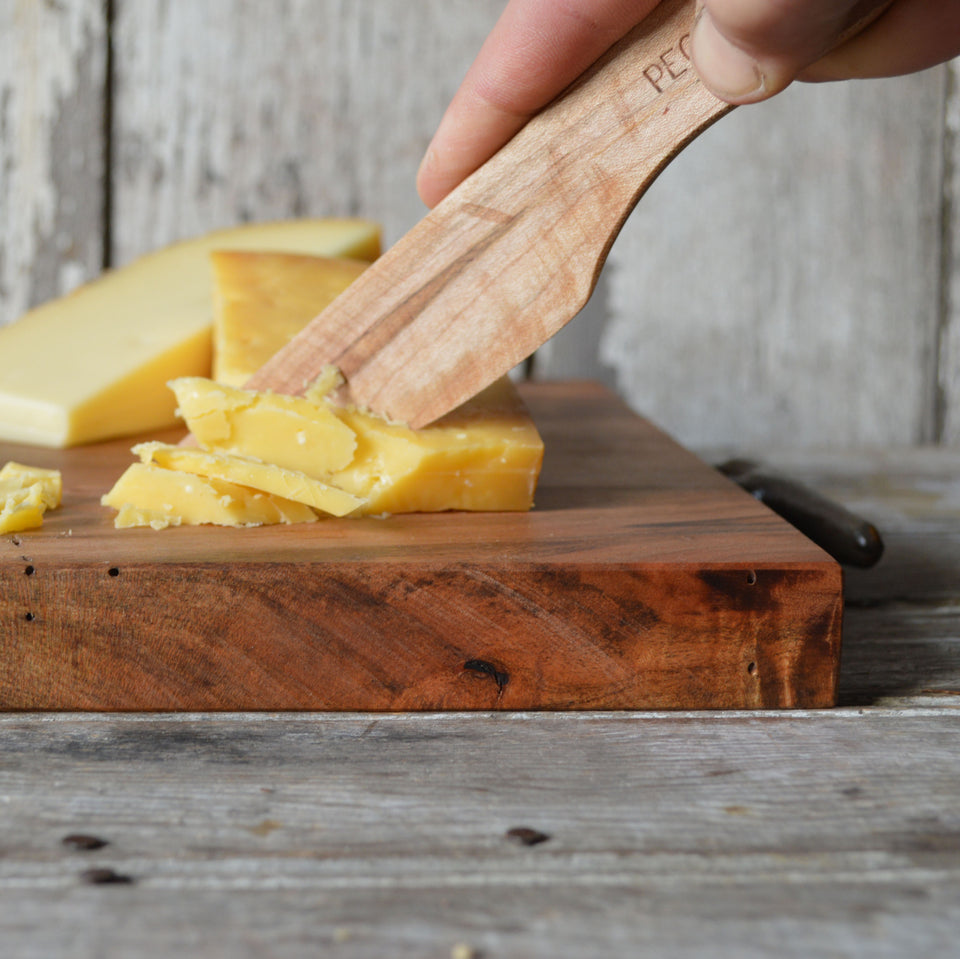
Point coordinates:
[(848, 538)]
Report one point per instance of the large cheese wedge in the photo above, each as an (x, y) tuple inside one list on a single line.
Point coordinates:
[(262, 300), (26, 493), (95, 363), (148, 495)]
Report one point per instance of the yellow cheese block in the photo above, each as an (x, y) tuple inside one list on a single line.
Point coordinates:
[(26, 492), (484, 456), (262, 300), (95, 363), (287, 431), (148, 495), (290, 484)]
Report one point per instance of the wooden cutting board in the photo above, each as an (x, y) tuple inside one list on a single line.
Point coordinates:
[(642, 580)]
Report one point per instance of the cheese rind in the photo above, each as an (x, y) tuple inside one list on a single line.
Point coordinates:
[(288, 431), (148, 495), (94, 364), (262, 300), (266, 477)]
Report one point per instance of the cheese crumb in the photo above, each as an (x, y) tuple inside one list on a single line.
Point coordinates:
[(26, 493)]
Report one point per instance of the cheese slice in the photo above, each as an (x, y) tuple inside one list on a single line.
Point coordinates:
[(94, 364), (26, 492), (148, 495), (288, 431), (266, 477), (262, 300)]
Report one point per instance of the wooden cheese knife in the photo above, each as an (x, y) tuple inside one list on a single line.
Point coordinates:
[(511, 255)]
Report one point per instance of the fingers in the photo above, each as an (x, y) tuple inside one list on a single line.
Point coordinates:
[(912, 35), (536, 49), (744, 51), (748, 50)]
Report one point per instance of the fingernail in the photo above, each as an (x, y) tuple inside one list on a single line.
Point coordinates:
[(425, 175), (725, 69)]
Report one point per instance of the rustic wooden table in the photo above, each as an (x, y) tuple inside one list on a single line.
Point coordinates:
[(665, 834)]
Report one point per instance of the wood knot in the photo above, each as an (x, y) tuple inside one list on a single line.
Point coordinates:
[(526, 836), (481, 666), (84, 842), (105, 877)]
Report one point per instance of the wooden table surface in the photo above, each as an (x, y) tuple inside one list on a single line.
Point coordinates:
[(828, 833)]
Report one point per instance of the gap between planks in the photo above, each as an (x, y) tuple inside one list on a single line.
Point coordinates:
[(579, 716)]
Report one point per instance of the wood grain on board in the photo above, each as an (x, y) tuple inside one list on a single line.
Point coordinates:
[(642, 579)]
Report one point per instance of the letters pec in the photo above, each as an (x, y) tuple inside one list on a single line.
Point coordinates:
[(671, 65)]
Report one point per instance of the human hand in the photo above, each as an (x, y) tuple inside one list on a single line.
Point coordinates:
[(744, 51)]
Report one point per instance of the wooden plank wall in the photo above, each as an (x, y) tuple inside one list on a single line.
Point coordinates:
[(793, 278)]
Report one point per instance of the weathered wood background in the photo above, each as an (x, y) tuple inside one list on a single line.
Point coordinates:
[(794, 276)]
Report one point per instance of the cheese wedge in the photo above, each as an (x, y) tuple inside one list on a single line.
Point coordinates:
[(266, 477), (148, 495), (26, 493), (94, 364), (287, 431), (484, 456), (262, 300)]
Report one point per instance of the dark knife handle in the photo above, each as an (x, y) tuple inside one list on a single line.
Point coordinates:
[(848, 538)]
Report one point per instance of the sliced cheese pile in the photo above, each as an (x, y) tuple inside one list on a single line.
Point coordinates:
[(262, 455), (94, 364), (26, 493)]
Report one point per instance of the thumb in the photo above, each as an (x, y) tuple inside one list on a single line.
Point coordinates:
[(748, 50)]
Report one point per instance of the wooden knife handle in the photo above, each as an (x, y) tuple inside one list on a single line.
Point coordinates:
[(606, 139)]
